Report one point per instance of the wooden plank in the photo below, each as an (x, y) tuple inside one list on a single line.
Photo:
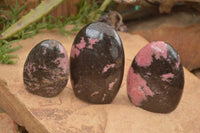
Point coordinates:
[(7, 125), (67, 114)]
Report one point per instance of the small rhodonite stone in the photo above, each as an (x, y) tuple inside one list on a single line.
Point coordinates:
[(156, 79), (46, 69), (97, 63)]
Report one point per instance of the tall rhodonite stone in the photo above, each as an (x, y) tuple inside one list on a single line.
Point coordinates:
[(46, 69), (156, 79), (97, 63)]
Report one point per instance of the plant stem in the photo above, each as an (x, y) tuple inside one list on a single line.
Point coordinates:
[(34, 15), (104, 5), (97, 14)]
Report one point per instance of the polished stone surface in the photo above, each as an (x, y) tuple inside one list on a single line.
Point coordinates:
[(46, 69), (97, 63), (156, 79)]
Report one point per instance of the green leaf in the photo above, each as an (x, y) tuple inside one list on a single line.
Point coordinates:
[(5, 12), (33, 16), (5, 48)]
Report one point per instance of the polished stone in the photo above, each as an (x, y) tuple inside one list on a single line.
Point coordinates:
[(97, 63), (46, 69), (156, 79)]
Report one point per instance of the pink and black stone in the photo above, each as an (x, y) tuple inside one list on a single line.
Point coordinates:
[(46, 69), (156, 79), (97, 63)]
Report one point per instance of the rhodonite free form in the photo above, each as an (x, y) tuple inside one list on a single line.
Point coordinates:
[(46, 69), (97, 63), (156, 79)]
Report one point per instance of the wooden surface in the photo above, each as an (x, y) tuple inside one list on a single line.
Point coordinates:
[(7, 125), (67, 114)]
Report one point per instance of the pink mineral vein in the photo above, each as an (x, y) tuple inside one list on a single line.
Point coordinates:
[(165, 77), (28, 68), (74, 52), (51, 91), (137, 88), (62, 49), (44, 67), (144, 56), (112, 84), (63, 62), (34, 68), (179, 61), (149, 73), (92, 42), (49, 88), (94, 93), (160, 49), (168, 60), (104, 95), (34, 88), (108, 66), (44, 51), (82, 44)]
